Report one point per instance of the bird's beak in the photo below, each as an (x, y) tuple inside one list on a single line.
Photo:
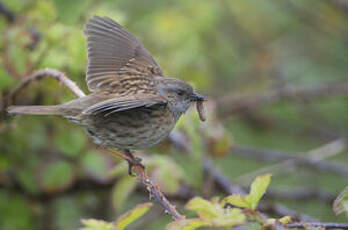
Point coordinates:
[(196, 97)]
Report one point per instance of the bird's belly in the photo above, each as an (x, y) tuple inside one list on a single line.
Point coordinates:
[(134, 129)]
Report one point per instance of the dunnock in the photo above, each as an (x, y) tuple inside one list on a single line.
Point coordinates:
[(132, 105)]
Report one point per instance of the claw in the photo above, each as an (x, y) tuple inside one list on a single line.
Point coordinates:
[(132, 162)]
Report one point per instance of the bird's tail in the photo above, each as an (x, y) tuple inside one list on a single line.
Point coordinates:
[(36, 110)]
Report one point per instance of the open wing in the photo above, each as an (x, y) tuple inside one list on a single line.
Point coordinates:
[(116, 59), (126, 103)]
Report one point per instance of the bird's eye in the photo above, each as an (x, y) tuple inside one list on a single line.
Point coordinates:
[(180, 92)]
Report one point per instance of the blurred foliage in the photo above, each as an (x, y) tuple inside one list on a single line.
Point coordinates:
[(214, 213), (341, 203), (51, 175), (121, 223)]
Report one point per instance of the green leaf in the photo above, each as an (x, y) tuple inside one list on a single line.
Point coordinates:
[(91, 224), (236, 200), (132, 215), (258, 189), (5, 80), (340, 205), (285, 220), (16, 212), (120, 169), (71, 11), (71, 143), (121, 190), (96, 165), (188, 224), (229, 218), (163, 169), (56, 176), (205, 209)]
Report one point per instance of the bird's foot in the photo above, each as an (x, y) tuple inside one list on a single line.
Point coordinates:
[(133, 162)]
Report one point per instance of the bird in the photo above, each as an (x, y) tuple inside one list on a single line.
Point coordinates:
[(132, 105)]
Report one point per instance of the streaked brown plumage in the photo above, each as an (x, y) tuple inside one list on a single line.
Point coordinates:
[(132, 105)]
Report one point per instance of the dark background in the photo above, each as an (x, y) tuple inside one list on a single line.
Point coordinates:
[(275, 72)]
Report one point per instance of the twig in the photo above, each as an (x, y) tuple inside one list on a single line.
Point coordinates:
[(150, 186), (332, 148), (222, 181), (40, 74), (281, 210), (301, 194), (318, 224), (315, 156), (228, 188), (233, 104)]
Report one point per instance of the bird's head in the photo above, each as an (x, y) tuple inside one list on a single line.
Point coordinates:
[(179, 94)]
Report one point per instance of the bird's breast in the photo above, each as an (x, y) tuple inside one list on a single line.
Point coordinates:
[(133, 129)]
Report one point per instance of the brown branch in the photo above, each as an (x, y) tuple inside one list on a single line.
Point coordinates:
[(277, 156), (234, 104), (151, 187), (280, 210), (39, 75), (294, 194), (301, 194), (318, 224), (228, 188), (221, 181)]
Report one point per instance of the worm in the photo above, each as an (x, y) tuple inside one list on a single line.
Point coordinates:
[(201, 110)]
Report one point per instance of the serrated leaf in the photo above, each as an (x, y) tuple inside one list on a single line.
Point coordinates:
[(121, 190), (205, 209), (340, 205), (56, 176), (188, 224), (91, 224), (258, 189), (236, 200), (132, 215)]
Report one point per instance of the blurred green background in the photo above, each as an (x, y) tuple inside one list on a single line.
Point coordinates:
[(275, 72)]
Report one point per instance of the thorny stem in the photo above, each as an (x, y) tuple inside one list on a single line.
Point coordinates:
[(151, 187)]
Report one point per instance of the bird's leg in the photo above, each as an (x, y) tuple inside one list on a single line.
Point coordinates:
[(130, 158), (132, 161)]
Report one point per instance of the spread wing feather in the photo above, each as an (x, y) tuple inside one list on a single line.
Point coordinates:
[(121, 104), (114, 55)]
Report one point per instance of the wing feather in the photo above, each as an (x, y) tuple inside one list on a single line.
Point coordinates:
[(114, 54), (114, 105)]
